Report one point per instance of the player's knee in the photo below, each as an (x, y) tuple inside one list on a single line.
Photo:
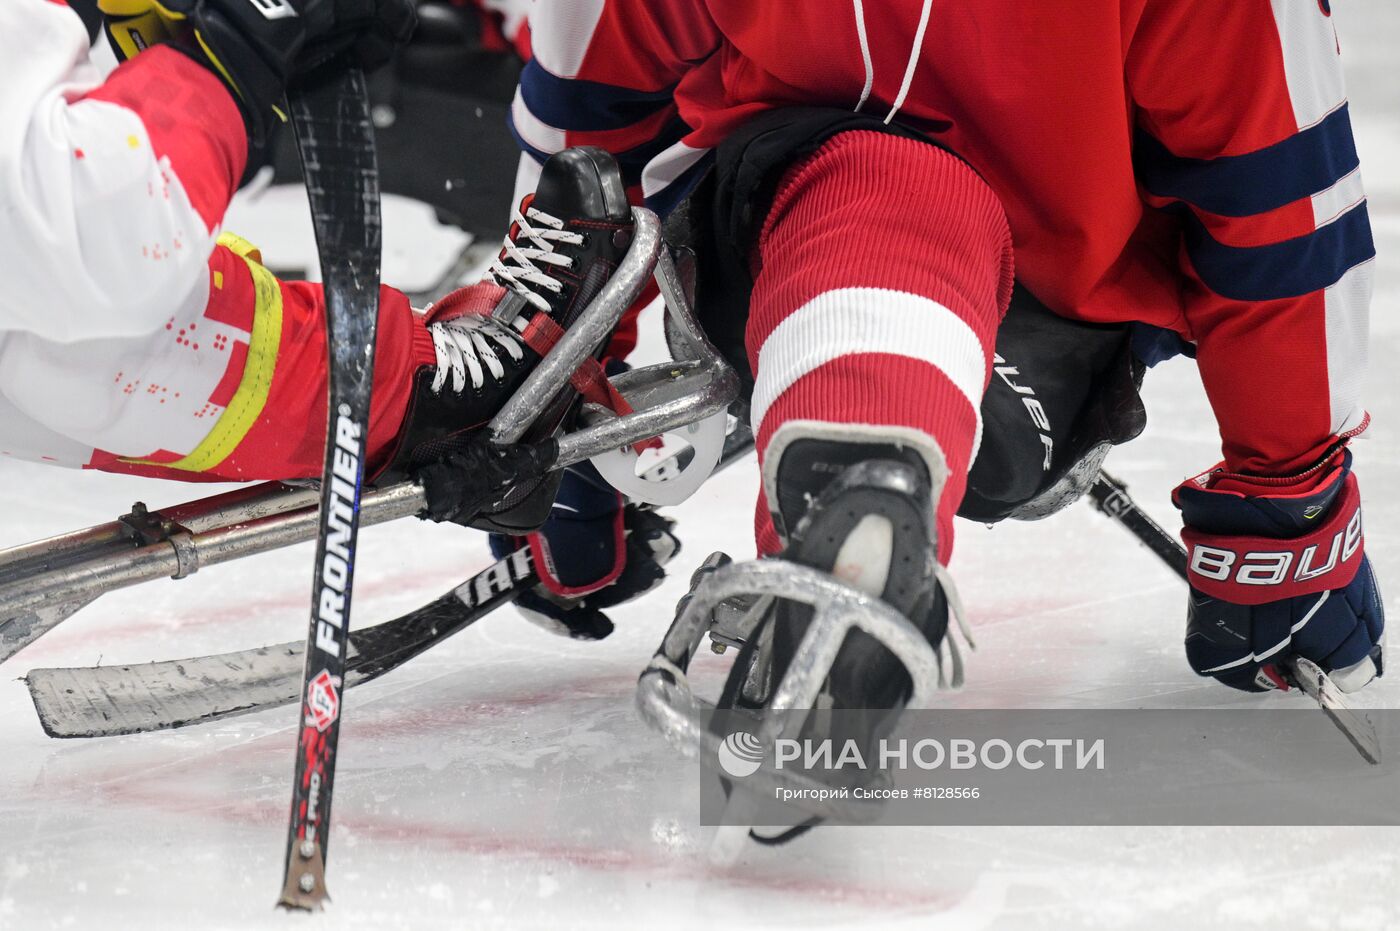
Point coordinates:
[(894, 213)]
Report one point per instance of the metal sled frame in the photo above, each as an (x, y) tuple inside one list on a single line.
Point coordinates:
[(669, 706), (44, 583), (713, 384)]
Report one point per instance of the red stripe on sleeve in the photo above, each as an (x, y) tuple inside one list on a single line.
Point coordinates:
[(617, 141), (1287, 222), (233, 375), (191, 119)]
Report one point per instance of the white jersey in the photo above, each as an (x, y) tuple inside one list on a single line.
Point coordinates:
[(111, 195)]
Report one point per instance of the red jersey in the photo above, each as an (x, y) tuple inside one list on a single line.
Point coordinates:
[(1183, 163)]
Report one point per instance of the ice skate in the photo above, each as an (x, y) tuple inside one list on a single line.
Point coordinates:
[(565, 242), (852, 616)]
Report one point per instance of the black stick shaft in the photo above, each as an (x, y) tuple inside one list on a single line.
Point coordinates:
[(1111, 497), (336, 142)]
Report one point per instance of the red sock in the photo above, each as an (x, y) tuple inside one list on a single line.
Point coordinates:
[(885, 267)]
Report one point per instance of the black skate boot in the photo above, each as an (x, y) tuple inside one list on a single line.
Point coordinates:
[(861, 512), (564, 244)]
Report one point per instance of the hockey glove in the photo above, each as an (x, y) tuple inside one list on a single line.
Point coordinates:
[(1278, 568), (473, 473), (592, 553), (257, 46)]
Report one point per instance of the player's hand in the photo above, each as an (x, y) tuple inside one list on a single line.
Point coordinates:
[(369, 31), (133, 26), (592, 553), (1278, 569), (257, 46)]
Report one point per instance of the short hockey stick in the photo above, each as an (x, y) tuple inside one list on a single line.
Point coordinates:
[(108, 701), (335, 140)]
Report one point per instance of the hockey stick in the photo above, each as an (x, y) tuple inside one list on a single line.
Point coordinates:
[(1111, 497), (335, 140), (107, 701)]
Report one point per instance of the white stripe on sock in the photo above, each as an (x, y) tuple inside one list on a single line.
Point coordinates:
[(849, 321)]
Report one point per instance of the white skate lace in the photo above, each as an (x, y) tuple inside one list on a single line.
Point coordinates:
[(517, 269), (464, 350)]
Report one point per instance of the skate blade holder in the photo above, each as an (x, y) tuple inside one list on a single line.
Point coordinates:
[(733, 620), (687, 398), (670, 707)]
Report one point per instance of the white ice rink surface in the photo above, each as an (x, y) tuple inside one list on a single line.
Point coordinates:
[(504, 781)]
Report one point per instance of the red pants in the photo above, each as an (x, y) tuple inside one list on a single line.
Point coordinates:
[(265, 418)]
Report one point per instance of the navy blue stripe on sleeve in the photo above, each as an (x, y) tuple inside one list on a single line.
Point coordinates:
[(630, 161), (666, 199), (586, 106), (633, 160), (1302, 165), (1287, 269)]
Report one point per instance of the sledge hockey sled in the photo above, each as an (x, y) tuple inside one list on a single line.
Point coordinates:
[(45, 582)]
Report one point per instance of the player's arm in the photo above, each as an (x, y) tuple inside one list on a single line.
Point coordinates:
[(604, 73), (113, 190), (127, 332), (1244, 135)]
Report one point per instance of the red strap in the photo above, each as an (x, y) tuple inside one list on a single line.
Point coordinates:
[(542, 334), (475, 300)]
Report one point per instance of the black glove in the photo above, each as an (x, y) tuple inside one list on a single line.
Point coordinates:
[(257, 46), (472, 475)]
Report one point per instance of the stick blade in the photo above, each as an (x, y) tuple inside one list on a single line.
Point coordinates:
[(1320, 688), (106, 701)]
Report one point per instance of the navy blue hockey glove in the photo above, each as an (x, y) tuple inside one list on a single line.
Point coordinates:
[(1278, 569), (592, 553)]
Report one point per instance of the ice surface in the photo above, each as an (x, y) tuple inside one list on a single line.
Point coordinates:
[(504, 781)]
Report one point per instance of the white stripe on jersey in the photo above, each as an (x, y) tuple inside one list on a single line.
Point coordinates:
[(1348, 326), (1338, 199), (561, 32), (1311, 63), (535, 131), (1313, 69), (667, 166)]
